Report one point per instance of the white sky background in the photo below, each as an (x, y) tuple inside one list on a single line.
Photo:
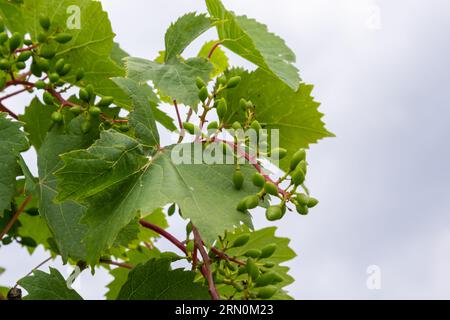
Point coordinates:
[(381, 72)]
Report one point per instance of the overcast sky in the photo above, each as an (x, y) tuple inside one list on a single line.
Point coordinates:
[(381, 71)]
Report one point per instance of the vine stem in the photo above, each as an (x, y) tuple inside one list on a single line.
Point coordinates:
[(35, 268), (214, 47), (5, 109), (115, 263), (205, 270), (206, 264), (26, 48), (224, 256), (15, 216)]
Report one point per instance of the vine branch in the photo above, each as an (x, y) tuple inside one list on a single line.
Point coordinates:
[(15, 216), (118, 264)]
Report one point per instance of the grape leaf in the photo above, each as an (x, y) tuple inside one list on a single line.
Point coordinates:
[(155, 281), (117, 186), (36, 228), (252, 41), (294, 113), (62, 218), (90, 47), (258, 240), (37, 119), (12, 142), (11, 13), (141, 119), (48, 286), (175, 79), (218, 59), (185, 30), (133, 257)]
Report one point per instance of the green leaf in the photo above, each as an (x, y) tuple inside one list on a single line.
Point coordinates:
[(37, 119), (141, 118), (12, 142), (175, 79), (62, 218), (133, 186), (133, 257), (12, 15), (252, 41), (91, 44), (258, 240), (155, 281), (218, 59), (185, 30), (36, 228), (44, 286), (294, 113)]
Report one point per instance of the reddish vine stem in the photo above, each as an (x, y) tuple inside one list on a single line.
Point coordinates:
[(206, 264), (5, 109), (26, 48), (224, 256), (194, 257), (115, 263), (15, 216), (180, 122), (12, 94), (35, 268), (214, 47)]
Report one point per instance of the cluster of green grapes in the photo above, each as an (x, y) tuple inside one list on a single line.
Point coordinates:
[(251, 273), (296, 176), (42, 56)]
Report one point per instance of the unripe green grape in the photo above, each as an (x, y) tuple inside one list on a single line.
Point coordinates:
[(255, 125), (268, 278), (42, 38), (303, 210), (303, 166), (24, 56), (222, 80), (200, 83), (57, 117), (45, 23), (15, 41), (48, 98), (203, 94), (124, 127), (252, 269), (242, 205), (270, 188), (296, 158), (79, 75), (312, 202), (242, 270), (243, 104), (253, 253), (236, 125), (213, 125), (278, 153), (189, 228), (222, 108), (234, 82), (63, 38), (53, 77), (84, 95), (59, 65), (65, 70), (302, 199), (252, 201), (190, 246), (189, 127), (95, 111), (7, 240), (27, 42), (105, 101), (269, 264), (36, 70), (86, 126), (90, 90), (4, 64), (241, 240), (21, 65), (3, 37), (238, 179), (76, 110), (298, 177), (258, 180), (274, 213), (171, 210), (43, 64), (47, 52), (268, 250), (2, 81)]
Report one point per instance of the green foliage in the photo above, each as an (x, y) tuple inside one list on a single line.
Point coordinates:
[(47, 286), (106, 182), (155, 281)]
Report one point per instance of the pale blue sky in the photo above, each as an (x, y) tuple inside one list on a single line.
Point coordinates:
[(381, 71)]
